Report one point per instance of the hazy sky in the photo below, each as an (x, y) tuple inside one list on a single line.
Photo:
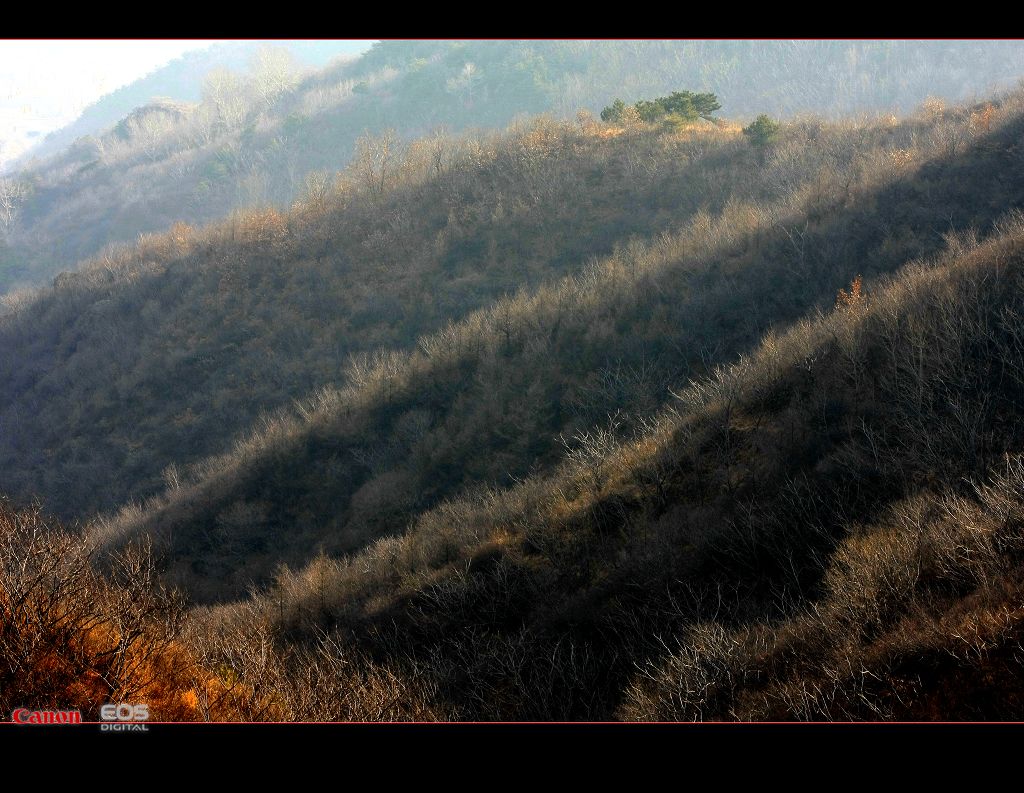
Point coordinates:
[(46, 84)]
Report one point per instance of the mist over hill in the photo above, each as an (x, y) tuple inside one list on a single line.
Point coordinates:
[(243, 145), (181, 80)]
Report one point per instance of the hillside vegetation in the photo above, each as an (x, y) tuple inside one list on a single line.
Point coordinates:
[(802, 524), (255, 136), (652, 418), (507, 391), (161, 354), (72, 639), (830, 528)]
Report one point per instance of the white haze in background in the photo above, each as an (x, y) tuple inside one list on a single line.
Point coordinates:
[(47, 84)]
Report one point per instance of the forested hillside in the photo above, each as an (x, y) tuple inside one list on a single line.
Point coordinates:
[(828, 527), (505, 392), (258, 133), (656, 412), (161, 354)]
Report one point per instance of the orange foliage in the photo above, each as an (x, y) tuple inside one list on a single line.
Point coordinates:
[(853, 297), (71, 638), (981, 120), (170, 681)]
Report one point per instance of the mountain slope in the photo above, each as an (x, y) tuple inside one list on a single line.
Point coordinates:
[(496, 397), (795, 537), (163, 353), (689, 429), (781, 542), (238, 150)]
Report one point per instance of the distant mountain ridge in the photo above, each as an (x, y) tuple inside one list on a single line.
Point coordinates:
[(238, 153), (181, 79)]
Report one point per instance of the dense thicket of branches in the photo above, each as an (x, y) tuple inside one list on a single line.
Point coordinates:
[(162, 353), (830, 528), (71, 638), (500, 394)]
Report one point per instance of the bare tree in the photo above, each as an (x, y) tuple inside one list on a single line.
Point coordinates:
[(12, 195), (465, 82), (316, 188), (274, 71), (225, 93), (441, 150), (151, 134), (374, 160)]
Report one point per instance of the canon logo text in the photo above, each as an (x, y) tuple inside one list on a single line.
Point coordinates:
[(26, 716)]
